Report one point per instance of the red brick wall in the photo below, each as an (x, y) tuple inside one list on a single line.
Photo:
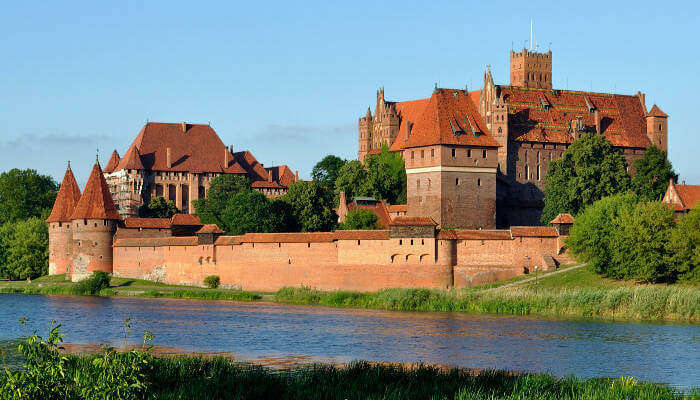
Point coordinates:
[(60, 247), (92, 247)]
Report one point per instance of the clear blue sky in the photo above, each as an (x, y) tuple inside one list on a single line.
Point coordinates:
[(288, 81)]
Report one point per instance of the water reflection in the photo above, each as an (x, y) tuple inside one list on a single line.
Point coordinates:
[(278, 334)]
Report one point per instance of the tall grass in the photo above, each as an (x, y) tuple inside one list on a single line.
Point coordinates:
[(635, 303), (238, 295)]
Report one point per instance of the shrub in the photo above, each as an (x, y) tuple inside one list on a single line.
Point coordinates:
[(361, 219), (92, 285), (212, 281), (684, 247)]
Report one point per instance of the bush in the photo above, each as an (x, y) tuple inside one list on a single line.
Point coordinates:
[(684, 247), (212, 281), (24, 249), (361, 219), (92, 285)]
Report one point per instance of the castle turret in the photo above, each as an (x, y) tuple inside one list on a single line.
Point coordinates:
[(365, 135), (94, 222), (531, 69), (657, 127), (60, 233)]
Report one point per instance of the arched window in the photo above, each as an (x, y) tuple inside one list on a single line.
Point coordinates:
[(456, 181), (469, 153), (527, 172), (538, 172), (478, 182), (483, 154), (500, 130)]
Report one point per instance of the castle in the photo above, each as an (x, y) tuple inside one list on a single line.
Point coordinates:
[(478, 159), (178, 161)]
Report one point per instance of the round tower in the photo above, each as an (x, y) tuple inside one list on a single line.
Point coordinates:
[(94, 222), (60, 233)]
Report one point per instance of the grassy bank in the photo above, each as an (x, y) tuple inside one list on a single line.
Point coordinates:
[(572, 294), (50, 374)]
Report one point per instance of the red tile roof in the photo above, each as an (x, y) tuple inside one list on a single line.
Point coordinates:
[(533, 231), (395, 208), (564, 218), (689, 195), (148, 223), (656, 112), (449, 117), (475, 95), (210, 228), (472, 234), (622, 116), (66, 199), (379, 234), (379, 209), (253, 169), (185, 219), (413, 221), (112, 163), (96, 201), (131, 160)]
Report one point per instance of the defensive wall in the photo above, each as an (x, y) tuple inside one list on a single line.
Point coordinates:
[(409, 256)]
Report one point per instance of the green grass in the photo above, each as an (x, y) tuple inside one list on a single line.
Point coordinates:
[(237, 295)]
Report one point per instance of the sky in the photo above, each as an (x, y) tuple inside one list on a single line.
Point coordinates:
[(288, 81)]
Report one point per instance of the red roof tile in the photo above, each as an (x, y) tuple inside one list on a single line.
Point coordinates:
[(533, 231), (66, 199), (185, 219), (379, 234), (395, 208), (131, 160), (209, 228), (689, 195), (253, 169), (148, 223), (475, 96), (379, 209), (449, 117), (564, 218), (96, 201), (413, 221), (112, 163), (473, 234), (656, 112)]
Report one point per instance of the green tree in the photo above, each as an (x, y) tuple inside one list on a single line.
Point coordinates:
[(24, 249), (353, 180), (312, 205), (286, 220), (589, 238), (589, 170), (158, 207), (248, 211), (684, 247), (326, 171), (387, 176), (221, 189), (25, 194), (361, 219), (652, 174), (639, 243)]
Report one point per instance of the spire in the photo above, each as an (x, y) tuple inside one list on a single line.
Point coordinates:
[(66, 199), (656, 112), (112, 163), (96, 201)]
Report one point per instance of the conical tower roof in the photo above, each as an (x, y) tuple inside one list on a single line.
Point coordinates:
[(112, 163), (96, 201), (67, 198)]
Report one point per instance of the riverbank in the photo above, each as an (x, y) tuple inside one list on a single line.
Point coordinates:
[(140, 374), (570, 293)]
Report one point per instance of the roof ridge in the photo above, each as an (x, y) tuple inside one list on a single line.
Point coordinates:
[(66, 199), (96, 201)]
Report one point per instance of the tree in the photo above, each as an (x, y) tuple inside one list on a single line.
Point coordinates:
[(387, 176), (652, 174), (684, 247), (312, 205), (221, 189), (158, 207), (361, 219), (353, 180), (24, 249), (326, 171), (639, 243), (25, 194), (589, 170), (248, 211), (589, 238)]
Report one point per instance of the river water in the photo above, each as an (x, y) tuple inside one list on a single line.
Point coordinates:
[(274, 333)]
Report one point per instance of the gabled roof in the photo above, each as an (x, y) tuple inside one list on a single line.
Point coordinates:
[(449, 117), (252, 168), (96, 201), (112, 163), (656, 112), (394, 208), (379, 209), (279, 177), (413, 221), (689, 195), (185, 219), (621, 116), (131, 160), (564, 218), (209, 228), (147, 223), (66, 199)]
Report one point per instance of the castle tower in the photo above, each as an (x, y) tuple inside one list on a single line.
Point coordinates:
[(495, 112), (531, 69), (657, 127), (60, 233), (365, 135), (94, 222)]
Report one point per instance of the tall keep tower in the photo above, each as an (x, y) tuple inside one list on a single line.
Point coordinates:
[(531, 69), (94, 222), (60, 233)]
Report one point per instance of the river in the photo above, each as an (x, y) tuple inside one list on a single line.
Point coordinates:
[(274, 333)]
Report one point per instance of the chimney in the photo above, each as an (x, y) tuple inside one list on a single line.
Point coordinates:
[(184, 126), (168, 158), (683, 183), (269, 175), (226, 158), (230, 148), (596, 115), (296, 176), (642, 99)]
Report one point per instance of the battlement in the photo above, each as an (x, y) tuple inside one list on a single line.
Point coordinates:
[(530, 54)]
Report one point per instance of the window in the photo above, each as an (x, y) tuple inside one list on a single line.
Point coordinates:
[(422, 241), (411, 242), (400, 241), (417, 183), (453, 153), (469, 153), (412, 155), (500, 130), (527, 172), (422, 154), (478, 182), (484, 154), (432, 152), (538, 172), (659, 126), (457, 182)]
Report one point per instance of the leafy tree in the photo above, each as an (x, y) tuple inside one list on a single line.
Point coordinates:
[(24, 249), (589, 238), (353, 180), (25, 194), (158, 207), (248, 211), (639, 243), (326, 171), (653, 172), (361, 219), (684, 246), (589, 170), (387, 176), (221, 189), (286, 220), (312, 205)]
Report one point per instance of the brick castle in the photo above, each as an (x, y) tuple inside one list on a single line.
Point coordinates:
[(475, 161)]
